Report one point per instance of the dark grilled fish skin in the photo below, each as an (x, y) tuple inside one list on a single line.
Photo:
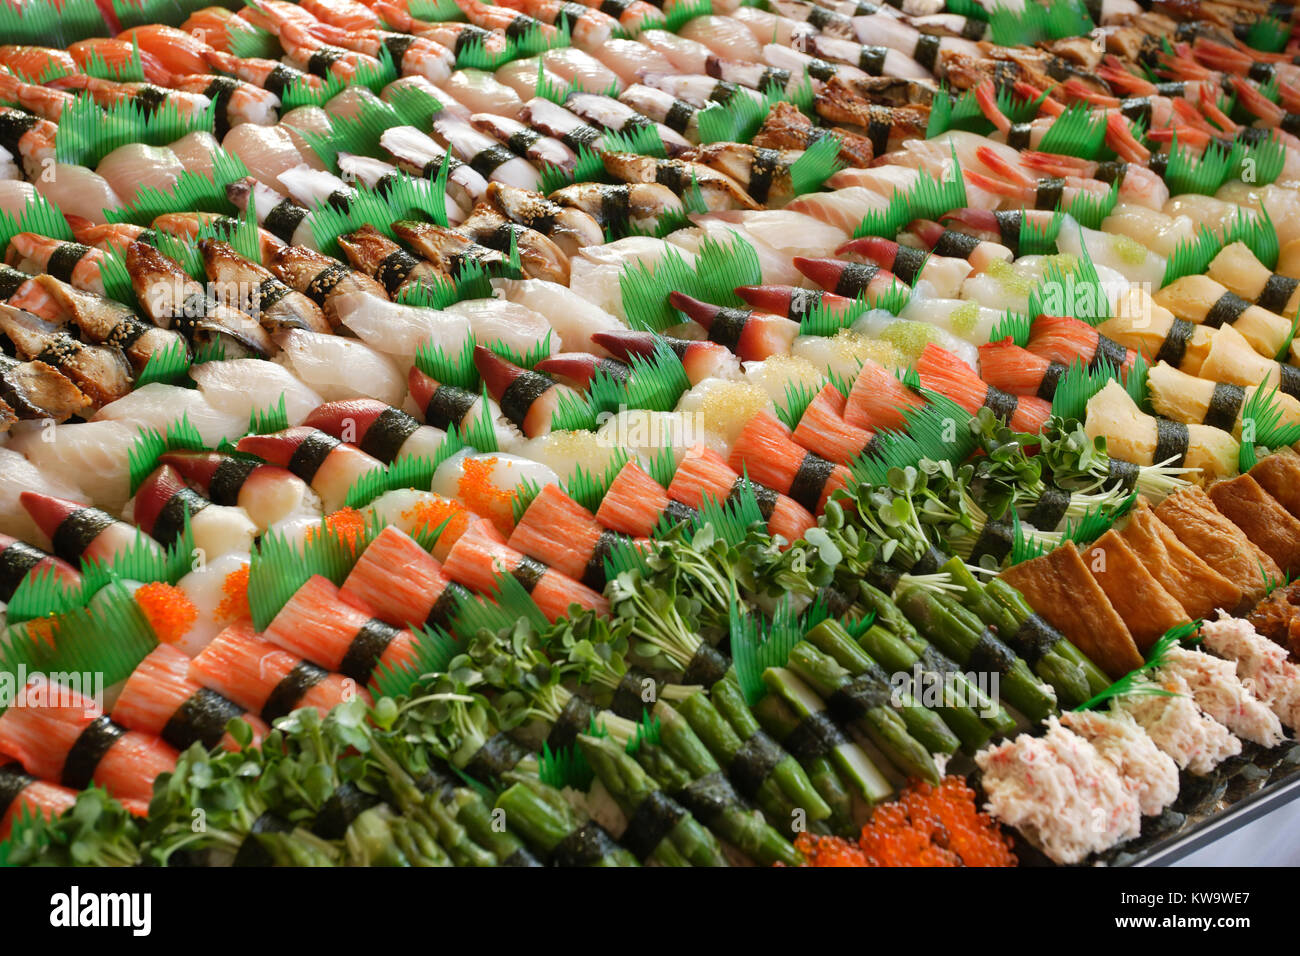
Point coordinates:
[(101, 372)]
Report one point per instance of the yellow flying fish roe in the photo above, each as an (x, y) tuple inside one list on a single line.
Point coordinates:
[(778, 372), (964, 317), (1009, 280), (909, 338), (1129, 250), (730, 402)]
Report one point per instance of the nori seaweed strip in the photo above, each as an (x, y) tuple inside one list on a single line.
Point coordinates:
[(372, 639), (1034, 639), (955, 244), (594, 574), (528, 572), (448, 406), (837, 602), (859, 697), (201, 718), (707, 797), (927, 50), (878, 131), (169, 524), (283, 218), (706, 666), (387, 433), (322, 59), (991, 655), (672, 176), (1171, 442), (723, 92), (1227, 309), (650, 823), (498, 755), (1002, 404), (615, 8), (64, 259), (517, 397), (818, 70), (1009, 222), (1112, 171), (1277, 293), (487, 160), (762, 170), (995, 540), (270, 291), (1047, 194), (1290, 379), (814, 736), (522, 139), (469, 34), (928, 563), (615, 205), (229, 477), (88, 750), (344, 805), (1174, 347), (1108, 350), (766, 497), (810, 480), (1051, 378), (286, 694), (575, 718), (1158, 164), (1124, 473), (728, 325), (773, 76), (1049, 509), (14, 124), (1136, 108), (251, 852), (1018, 136), (521, 857), (585, 846), (15, 562), (319, 288), (628, 700), (820, 17), (1225, 404), (149, 97), (11, 280), (908, 261), (219, 91), (447, 606), (519, 26), (886, 578), (675, 512), (1290, 123), (975, 29), (398, 44), (13, 781), (854, 278), (754, 762), (75, 532), (394, 269), (679, 115), (311, 454), (280, 77)]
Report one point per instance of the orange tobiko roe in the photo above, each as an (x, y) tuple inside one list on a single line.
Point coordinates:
[(485, 499), (234, 605), (348, 524), (170, 611), (926, 826)]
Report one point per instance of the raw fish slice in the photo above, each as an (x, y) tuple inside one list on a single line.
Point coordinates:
[(785, 230), (242, 386), (267, 151), (573, 318), (76, 187), (629, 59), (513, 324), (157, 405), (1131, 259), (90, 453), (15, 194), (450, 105), (724, 36), (580, 67), (481, 92), (399, 330), (844, 209), (522, 76), (594, 273), (18, 474), (132, 167), (195, 151), (339, 368)]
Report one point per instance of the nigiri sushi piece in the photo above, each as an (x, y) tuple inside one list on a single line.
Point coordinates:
[(634, 504), (280, 215), (565, 536), (255, 290), (703, 472), (18, 559), (575, 321), (1242, 274), (766, 452), (450, 105), (524, 74), (243, 386), (1228, 357), (447, 250), (70, 262), (75, 187), (1130, 258), (849, 279), (823, 430), (22, 795), (539, 256), (37, 390), (135, 166), (774, 267), (718, 191), (527, 398), (594, 272), (267, 151), (266, 493), (942, 372), (423, 512), (530, 144), (266, 680), (963, 322), (381, 431), (330, 466), (686, 56), (100, 372), (578, 369), (752, 335), (515, 324), (1018, 371), (71, 741), (622, 208), (341, 368), (610, 114), (373, 253), (163, 502), (160, 699), (844, 208), (157, 405), (1150, 228), (568, 227), (878, 399), (1201, 401), (403, 584), (910, 265), (1133, 436), (764, 174), (793, 302), (18, 475), (449, 406), (555, 121), (780, 374), (481, 92), (1203, 301), (67, 455), (1065, 340), (399, 330), (485, 155), (486, 484), (629, 59), (477, 558), (318, 626), (953, 243), (566, 453), (701, 359), (580, 68), (322, 278), (716, 410)]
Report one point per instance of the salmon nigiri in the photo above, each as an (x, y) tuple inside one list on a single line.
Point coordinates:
[(943, 372)]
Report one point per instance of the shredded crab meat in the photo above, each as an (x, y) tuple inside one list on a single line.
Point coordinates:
[(1220, 694), (1197, 742), (1152, 776), (1262, 665)]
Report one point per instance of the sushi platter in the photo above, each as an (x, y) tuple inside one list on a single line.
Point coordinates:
[(647, 432)]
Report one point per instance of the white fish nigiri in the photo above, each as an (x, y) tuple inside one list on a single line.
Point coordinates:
[(399, 330), (157, 406), (267, 151), (242, 386), (580, 67), (76, 187), (498, 320), (573, 318), (135, 166), (195, 151), (686, 56), (336, 367), (629, 59), (481, 92), (15, 194), (594, 272), (1131, 259), (485, 154), (90, 454), (18, 474), (450, 105)]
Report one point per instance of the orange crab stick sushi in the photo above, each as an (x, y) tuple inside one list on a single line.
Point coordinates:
[(635, 503), (879, 398), (403, 584), (267, 493), (330, 466), (766, 452), (266, 680), (80, 533), (478, 558), (1018, 371), (823, 430), (1065, 340), (381, 431), (945, 373), (751, 334), (159, 698), (559, 532), (316, 625), (703, 472), (19, 559), (22, 793), (63, 740)]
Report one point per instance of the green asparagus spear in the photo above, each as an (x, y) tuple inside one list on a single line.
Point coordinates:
[(556, 829), (779, 720), (370, 840), (476, 816), (659, 828)]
